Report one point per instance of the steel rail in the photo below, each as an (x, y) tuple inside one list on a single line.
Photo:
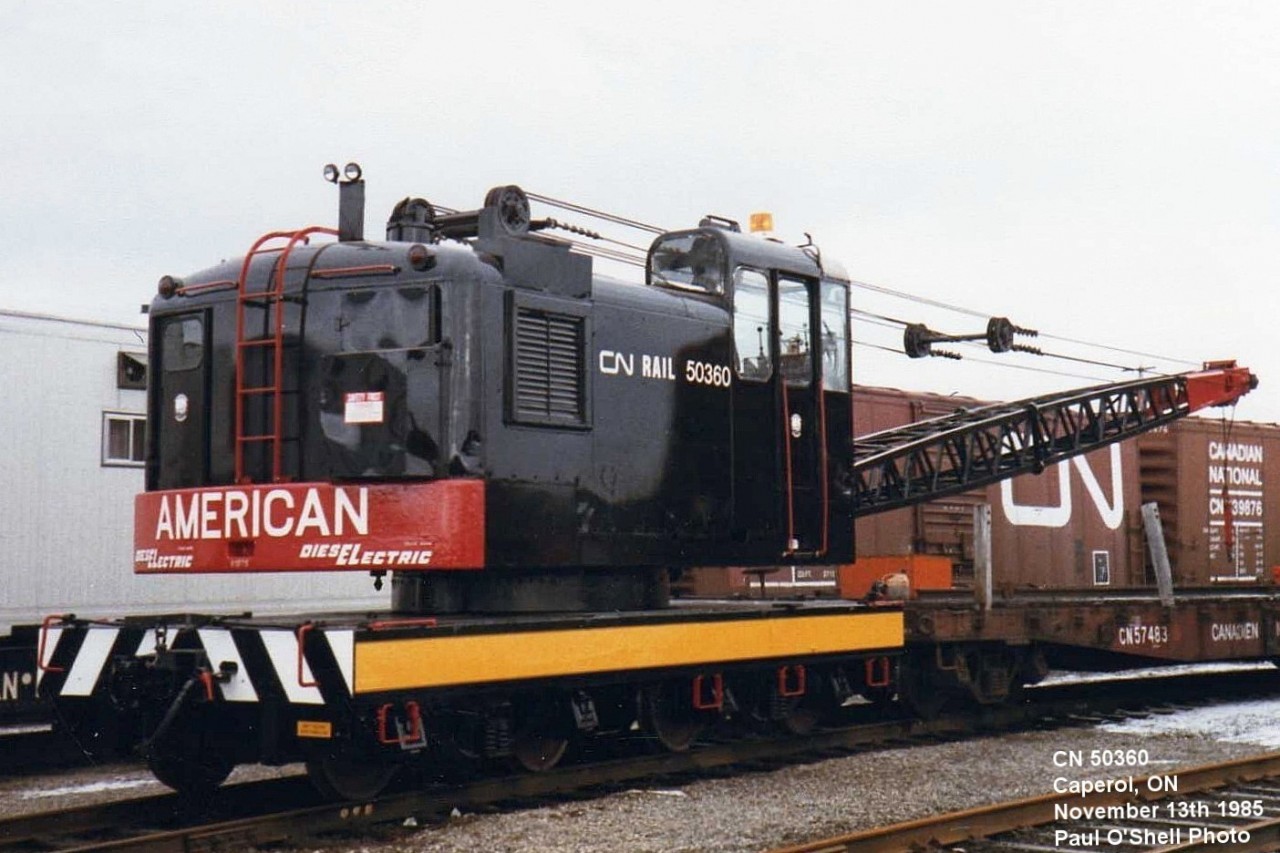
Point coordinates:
[(272, 810), (30, 751)]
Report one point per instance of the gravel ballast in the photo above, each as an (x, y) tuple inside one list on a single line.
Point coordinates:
[(762, 810), (750, 811)]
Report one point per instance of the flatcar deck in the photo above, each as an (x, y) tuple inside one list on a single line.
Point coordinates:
[(379, 652), (1200, 624)]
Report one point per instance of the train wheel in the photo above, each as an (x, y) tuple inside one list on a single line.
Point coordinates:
[(818, 705), (538, 752), (666, 711), (349, 778), (925, 700), (800, 717), (191, 772), (923, 688), (541, 734)]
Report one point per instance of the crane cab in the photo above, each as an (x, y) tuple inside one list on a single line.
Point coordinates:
[(791, 433), (471, 407)]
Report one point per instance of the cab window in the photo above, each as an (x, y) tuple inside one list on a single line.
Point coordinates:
[(751, 325), (834, 314), (794, 343), (182, 343), (688, 261)]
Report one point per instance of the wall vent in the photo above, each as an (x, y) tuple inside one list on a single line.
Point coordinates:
[(549, 368)]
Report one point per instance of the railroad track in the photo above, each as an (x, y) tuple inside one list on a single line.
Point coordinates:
[(1230, 807), (27, 749), (267, 812)]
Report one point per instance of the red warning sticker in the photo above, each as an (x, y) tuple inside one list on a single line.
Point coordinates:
[(363, 407)]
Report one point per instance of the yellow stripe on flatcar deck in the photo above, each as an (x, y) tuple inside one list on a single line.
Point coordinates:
[(446, 661)]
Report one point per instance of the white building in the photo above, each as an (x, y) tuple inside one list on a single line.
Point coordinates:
[(72, 421)]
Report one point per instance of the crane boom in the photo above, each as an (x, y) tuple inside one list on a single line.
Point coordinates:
[(944, 456)]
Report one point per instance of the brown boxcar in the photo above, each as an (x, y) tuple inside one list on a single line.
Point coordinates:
[(1215, 484)]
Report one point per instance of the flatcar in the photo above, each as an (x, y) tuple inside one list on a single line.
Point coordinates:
[(530, 449)]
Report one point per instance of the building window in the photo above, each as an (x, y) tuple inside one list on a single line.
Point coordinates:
[(131, 371), (124, 439)]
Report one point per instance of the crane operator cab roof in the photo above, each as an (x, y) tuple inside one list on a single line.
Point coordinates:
[(703, 259)]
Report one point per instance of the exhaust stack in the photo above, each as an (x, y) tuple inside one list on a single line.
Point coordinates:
[(350, 200)]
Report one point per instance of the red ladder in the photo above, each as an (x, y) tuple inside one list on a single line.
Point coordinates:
[(269, 299)]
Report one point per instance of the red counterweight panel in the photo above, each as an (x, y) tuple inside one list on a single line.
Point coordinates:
[(311, 527)]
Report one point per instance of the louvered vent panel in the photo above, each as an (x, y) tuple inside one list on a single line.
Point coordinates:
[(549, 360)]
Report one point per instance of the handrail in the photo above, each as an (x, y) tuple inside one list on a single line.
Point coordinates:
[(40, 646), (271, 295)]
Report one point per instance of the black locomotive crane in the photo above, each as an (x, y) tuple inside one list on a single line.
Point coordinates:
[(529, 448)]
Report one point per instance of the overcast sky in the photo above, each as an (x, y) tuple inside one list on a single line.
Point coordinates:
[(1101, 171)]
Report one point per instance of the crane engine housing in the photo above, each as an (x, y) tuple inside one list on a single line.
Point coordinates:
[(468, 406)]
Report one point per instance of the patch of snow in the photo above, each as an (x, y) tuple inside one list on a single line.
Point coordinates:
[(1057, 677), (88, 788), (1255, 721)]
